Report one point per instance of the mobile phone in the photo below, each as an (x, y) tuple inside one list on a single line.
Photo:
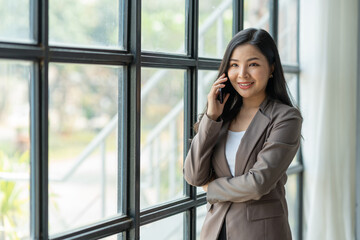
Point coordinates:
[(224, 90)]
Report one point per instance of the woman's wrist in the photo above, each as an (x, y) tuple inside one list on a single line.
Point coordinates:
[(212, 116)]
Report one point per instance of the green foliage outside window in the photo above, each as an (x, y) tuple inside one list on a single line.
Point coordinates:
[(13, 203)]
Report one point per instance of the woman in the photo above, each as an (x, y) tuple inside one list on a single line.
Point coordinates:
[(244, 145)]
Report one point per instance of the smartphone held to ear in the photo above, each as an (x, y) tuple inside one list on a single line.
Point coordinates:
[(224, 90)]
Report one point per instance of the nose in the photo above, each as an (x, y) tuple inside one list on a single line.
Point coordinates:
[(243, 72)]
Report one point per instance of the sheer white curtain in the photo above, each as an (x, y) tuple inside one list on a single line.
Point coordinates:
[(328, 60)]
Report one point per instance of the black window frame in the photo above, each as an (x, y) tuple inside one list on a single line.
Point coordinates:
[(132, 59)]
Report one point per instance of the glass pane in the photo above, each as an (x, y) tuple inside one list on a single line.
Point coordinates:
[(292, 199), (295, 161), (215, 30), (292, 83), (256, 14), (114, 237), (170, 228), (162, 130), (16, 21), (199, 190), (200, 218), (95, 23), (15, 78), (163, 26), (288, 29), (83, 147), (206, 79)]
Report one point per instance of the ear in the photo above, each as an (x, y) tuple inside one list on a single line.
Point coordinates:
[(272, 68)]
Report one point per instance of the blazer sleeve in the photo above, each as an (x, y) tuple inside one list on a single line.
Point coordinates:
[(272, 162), (197, 167)]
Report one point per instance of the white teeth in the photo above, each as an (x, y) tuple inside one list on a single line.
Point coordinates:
[(245, 84)]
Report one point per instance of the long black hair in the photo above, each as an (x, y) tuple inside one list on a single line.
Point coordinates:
[(276, 88)]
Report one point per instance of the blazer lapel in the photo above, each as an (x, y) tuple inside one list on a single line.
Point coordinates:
[(255, 130)]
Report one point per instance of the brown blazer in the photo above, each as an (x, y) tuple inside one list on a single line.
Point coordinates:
[(253, 202)]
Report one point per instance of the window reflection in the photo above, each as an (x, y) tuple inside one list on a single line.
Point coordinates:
[(170, 228), (200, 218), (215, 27), (292, 83), (83, 23), (292, 199), (288, 28), (163, 26), (257, 14), (15, 149), (83, 147), (16, 21), (162, 130)]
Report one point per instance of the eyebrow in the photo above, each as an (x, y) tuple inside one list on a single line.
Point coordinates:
[(250, 59)]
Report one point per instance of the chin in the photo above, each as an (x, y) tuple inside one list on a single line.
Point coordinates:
[(244, 94)]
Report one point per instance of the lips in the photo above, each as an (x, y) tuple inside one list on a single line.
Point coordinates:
[(245, 85)]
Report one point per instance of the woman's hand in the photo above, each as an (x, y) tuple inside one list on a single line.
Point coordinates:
[(215, 108), (205, 187)]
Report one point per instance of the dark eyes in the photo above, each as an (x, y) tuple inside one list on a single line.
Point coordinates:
[(250, 65)]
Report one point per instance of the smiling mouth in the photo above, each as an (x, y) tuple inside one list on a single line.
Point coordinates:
[(245, 85)]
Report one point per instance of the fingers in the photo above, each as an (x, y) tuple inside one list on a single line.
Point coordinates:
[(217, 88), (205, 187), (215, 108), (219, 83), (222, 79)]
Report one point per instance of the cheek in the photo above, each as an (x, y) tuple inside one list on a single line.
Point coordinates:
[(232, 74), (261, 75), (233, 79)]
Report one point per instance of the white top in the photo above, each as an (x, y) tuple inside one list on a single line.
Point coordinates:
[(232, 144)]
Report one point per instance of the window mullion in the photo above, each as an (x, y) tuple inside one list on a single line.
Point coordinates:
[(238, 13), (274, 14), (192, 26), (133, 110), (39, 133)]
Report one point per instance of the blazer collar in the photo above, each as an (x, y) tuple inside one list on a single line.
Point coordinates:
[(264, 104), (253, 133), (255, 130)]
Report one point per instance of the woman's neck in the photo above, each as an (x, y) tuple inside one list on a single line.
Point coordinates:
[(251, 103)]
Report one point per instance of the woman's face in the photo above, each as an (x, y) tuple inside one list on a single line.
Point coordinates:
[(249, 72)]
